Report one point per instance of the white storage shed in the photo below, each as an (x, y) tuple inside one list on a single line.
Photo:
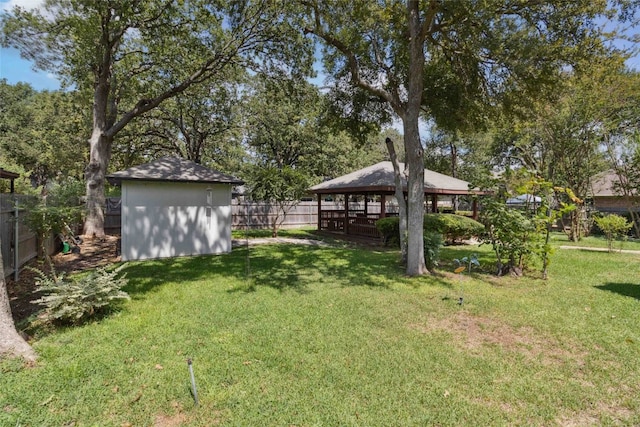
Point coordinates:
[(173, 207)]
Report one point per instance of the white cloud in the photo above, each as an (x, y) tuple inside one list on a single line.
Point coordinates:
[(26, 4)]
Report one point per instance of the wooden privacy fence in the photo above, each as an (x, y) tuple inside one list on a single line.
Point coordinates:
[(19, 244), (260, 215), (256, 215)]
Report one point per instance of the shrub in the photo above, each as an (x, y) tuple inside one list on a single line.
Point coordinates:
[(72, 300), (454, 228), (432, 241), (51, 215), (511, 235), (390, 230), (613, 226)]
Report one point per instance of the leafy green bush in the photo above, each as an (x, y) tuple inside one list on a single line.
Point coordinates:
[(511, 234), (454, 228), (67, 192), (432, 244), (390, 229), (613, 226), (51, 215), (72, 300)]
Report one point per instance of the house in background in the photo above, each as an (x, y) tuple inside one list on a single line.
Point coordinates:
[(173, 207), (524, 201), (607, 197)]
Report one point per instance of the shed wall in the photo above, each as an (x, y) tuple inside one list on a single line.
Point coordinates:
[(167, 219)]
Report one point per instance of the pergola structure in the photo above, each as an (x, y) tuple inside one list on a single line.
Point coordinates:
[(379, 180), (11, 176)]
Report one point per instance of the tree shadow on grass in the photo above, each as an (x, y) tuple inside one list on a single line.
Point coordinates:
[(279, 266), (296, 267), (145, 276), (626, 289)]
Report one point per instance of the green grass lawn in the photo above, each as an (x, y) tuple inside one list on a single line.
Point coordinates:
[(597, 242), (338, 337)]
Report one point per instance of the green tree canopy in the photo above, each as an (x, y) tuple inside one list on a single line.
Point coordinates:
[(451, 59), (43, 132), (128, 57)]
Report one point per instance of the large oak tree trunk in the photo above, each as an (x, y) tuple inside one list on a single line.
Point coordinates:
[(104, 115), (413, 147), (415, 194), (11, 343), (100, 152)]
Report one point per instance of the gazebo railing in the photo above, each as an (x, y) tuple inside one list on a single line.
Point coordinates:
[(359, 223), (332, 220), (364, 225)]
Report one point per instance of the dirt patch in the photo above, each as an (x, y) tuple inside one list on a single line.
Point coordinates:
[(475, 333), (94, 252), (592, 417), (170, 420)]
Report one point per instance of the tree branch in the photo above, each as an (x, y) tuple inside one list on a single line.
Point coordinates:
[(352, 61)]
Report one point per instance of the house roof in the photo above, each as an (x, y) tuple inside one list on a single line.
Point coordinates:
[(524, 199), (604, 184), (379, 178), (172, 169)]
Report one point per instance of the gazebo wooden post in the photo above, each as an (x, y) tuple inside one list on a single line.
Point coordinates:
[(319, 212), (346, 213), (383, 206), (434, 203), (366, 205), (475, 209)]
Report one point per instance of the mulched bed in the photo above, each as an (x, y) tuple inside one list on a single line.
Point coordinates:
[(94, 252)]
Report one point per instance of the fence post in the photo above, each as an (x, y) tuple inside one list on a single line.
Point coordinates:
[(16, 244)]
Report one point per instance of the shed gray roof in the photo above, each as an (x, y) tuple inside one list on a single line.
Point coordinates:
[(380, 178), (173, 169)]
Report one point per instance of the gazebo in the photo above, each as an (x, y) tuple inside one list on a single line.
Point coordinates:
[(11, 176), (378, 180)]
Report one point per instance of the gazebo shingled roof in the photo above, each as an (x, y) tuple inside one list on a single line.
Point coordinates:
[(379, 178)]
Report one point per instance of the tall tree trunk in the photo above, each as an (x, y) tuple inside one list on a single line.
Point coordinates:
[(100, 149), (99, 156), (413, 147), (415, 191), (402, 204), (11, 343)]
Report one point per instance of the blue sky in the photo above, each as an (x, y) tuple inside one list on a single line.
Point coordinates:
[(15, 69)]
